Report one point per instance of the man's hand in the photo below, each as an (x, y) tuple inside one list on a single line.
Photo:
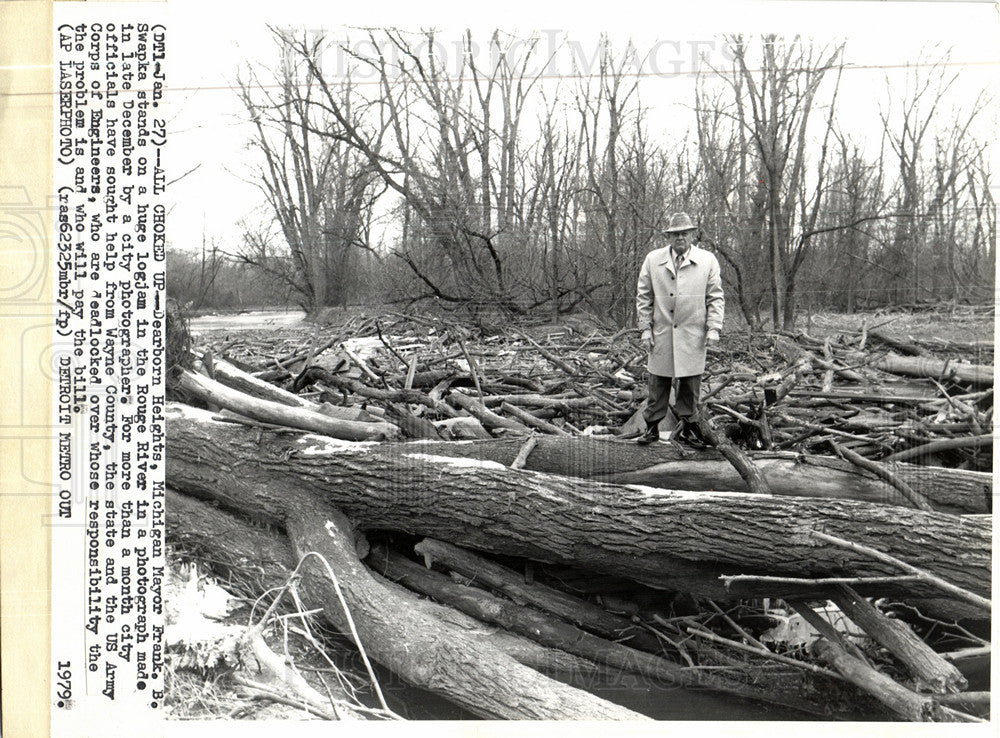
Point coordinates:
[(712, 336), (647, 341)]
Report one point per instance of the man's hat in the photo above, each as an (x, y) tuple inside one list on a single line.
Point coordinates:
[(680, 222)]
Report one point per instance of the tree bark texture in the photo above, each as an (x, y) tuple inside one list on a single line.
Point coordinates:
[(488, 573), (430, 646), (665, 465), (479, 678), (930, 670), (263, 559), (897, 698), (556, 633), (666, 539)]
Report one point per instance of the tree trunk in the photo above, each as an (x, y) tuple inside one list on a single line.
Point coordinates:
[(748, 471), (900, 700), (670, 540), (558, 634), (930, 670), (665, 465), (979, 375), (944, 444), (580, 612), (269, 411), (430, 646)]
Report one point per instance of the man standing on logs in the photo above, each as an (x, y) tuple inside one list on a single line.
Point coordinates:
[(679, 307)]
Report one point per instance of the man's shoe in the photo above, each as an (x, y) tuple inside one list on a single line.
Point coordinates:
[(651, 435), (689, 434)]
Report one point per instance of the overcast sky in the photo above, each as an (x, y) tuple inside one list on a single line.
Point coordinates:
[(210, 41)]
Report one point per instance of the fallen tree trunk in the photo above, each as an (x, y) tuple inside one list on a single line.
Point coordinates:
[(558, 634), (269, 411), (748, 471), (980, 375), (671, 540), (901, 345), (487, 417), (664, 465), (916, 499), (945, 444), (930, 670), (897, 698), (573, 609), (430, 646), (237, 379), (479, 678)]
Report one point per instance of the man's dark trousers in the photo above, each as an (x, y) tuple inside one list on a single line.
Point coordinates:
[(657, 402)]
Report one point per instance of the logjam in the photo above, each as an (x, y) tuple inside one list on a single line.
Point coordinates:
[(578, 386), (561, 635), (604, 512), (667, 539), (428, 645), (930, 670)]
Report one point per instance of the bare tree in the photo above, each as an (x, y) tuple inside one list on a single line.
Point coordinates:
[(496, 209), (629, 181), (731, 199), (780, 103), (320, 191), (932, 192), (978, 268), (440, 158), (507, 192)]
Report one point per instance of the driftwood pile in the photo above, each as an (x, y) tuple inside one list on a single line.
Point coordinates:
[(883, 396), (549, 545)]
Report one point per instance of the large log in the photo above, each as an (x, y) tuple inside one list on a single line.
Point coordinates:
[(428, 645), (944, 444), (237, 379), (558, 634), (580, 612), (980, 375), (930, 670), (269, 411), (666, 539), (665, 465), (479, 678), (900, 700)]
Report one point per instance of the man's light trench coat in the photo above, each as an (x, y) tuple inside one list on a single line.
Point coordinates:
[(679, 309)]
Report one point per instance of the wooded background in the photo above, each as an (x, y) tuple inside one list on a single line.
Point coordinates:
[(495, 187)]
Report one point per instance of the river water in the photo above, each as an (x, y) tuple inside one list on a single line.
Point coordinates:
[(254, 319)]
